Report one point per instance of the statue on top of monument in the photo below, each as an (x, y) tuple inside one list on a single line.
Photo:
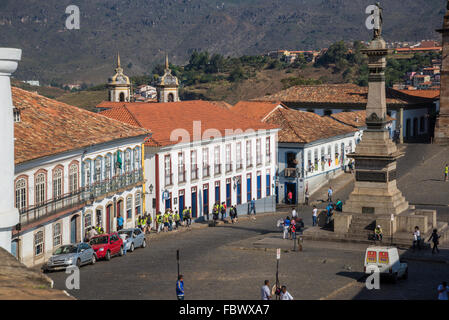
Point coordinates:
[(378, 21)]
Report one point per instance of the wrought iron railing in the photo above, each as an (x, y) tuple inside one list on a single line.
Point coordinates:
[(79, 197)]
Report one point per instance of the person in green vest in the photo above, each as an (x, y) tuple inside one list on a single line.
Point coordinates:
[(165, 221), (159, 223), (149, 221), (177, 219), (446, 172)]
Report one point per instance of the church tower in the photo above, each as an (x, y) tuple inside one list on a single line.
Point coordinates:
[(167, 86), (119, 86)]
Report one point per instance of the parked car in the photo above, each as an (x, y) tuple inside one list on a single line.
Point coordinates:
[(386, 260), (71, 255), (136, 238), (107, 245)]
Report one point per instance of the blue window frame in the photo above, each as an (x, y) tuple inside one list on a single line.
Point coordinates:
[(268, 185), (259, 186), (248, 189)]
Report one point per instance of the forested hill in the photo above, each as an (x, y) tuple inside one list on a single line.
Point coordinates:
[(143, 30)]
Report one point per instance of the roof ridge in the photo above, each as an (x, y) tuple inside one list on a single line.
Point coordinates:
[(132, 116)]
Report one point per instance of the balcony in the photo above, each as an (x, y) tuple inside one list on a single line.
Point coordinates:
[(228, 167), (168, 179), (181, 175), (194, 173), (217, 169), (290, 172), (78, 199), (206, 171)]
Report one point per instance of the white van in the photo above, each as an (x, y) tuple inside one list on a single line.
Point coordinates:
[(386, 261)]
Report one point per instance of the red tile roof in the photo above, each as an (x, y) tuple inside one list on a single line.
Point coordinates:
[(49, 127), (355, 119), (430, 94), (164, 118), (305, 127), (255, 109), (327, 93)]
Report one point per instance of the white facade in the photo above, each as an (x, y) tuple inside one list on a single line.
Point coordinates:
[(316, 163), (231, 169), (61, 196)]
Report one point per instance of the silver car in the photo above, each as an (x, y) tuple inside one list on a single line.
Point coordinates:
[(71, 255), (135, 238)]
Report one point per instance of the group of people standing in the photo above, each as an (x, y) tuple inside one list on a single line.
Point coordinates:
[(291, 226), (173, 219)]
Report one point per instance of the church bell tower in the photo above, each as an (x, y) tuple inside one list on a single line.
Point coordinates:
[(119, 86)]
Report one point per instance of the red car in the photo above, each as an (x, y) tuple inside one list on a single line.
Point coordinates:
[(107, 245)]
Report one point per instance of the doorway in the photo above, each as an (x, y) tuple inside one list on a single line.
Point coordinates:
[(290, 187)]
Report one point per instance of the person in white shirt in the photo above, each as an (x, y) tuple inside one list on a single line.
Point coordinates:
[(416, 238), (285, 295), (266, 293), (443, 291), (314, 216), (294, 214)]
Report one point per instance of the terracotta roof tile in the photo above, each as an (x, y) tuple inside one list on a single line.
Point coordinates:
[(355, 119), (327, 94), (305, 127), (164, 118), (255, 109), (50, 127)]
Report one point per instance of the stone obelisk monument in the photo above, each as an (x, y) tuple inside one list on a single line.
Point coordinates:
[(375, 191), (442, 123)]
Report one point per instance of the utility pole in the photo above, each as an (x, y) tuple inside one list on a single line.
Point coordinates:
[(177, 259)]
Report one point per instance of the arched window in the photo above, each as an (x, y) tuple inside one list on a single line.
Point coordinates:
[(136, 158), (129, 207), (108, 166), (73, 178), (38, 243), (57, 235), (97, 174), (171, 97), (40, 189), (57, 183), (87, 173), (122, 97), (87, 220), (21, 194), (138, 204), (127, 160)]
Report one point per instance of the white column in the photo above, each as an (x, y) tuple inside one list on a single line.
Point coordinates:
[(9, 216)]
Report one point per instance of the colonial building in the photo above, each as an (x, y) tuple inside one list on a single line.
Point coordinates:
[(73, 169), (414, 116), (311, 149), (201, 153), (119, 85)]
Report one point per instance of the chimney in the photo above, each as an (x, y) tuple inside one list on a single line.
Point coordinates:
[(9, 216)]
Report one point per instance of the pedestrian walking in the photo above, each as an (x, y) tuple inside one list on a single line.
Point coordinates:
[(253, 208), (119, 223), (329, 194), (290, 197), (294, 214), (180, 287), (177, 220), (446, 172), (416, 238), (189, 217), (286, 227), (307, 197), (443, 291), (159, 222), (149, 222), (265, 291), (330, 211), (223, 211), (435, 240), (314, 216), (285, 295), (339, 205), (292, 231)]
